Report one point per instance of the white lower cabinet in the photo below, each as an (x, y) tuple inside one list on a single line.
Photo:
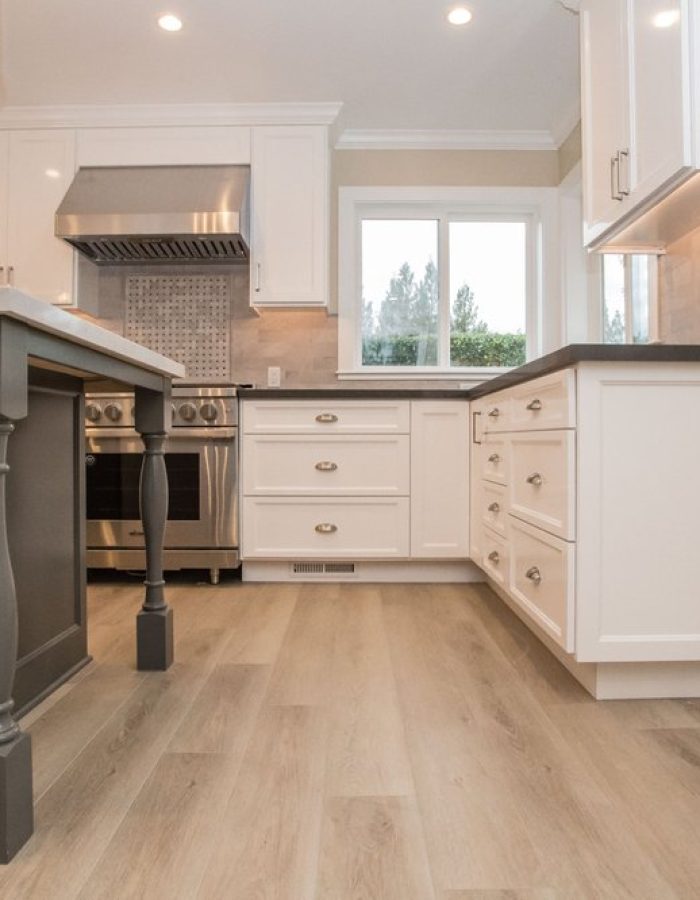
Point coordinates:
[(367, 480), (542, 580), (335, 528)]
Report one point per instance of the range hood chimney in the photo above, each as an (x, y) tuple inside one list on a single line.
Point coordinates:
[(158, 215)]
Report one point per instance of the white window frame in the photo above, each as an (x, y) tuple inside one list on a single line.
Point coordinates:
[(537, 206), (653, 263)]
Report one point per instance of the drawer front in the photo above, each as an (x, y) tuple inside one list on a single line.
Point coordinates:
[(288, 465), (326, 417), (312, 528), (494, 459), (542, 580), (495, 560), (494, 506), (548, 402), (495, 412), (541, 480)]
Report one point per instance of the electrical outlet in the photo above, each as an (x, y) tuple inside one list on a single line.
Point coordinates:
[(274, 376)]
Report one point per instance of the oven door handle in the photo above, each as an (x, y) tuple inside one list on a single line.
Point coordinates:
[(179, 434)]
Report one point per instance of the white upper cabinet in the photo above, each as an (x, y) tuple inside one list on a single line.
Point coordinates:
[(289, 203), (40, 166), (636, 108), (167, 146)]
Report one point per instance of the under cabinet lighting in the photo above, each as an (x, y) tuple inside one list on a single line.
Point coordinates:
[(169, 22), (459, 16), (666, 19), (52, 173)]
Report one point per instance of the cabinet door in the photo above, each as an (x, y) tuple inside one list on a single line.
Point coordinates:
[(659, 80), (4, 183), (604, 111), (216, 145), (41, 167), (289, 201), (440, 479)]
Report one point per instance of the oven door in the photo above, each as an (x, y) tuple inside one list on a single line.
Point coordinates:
[(202, 486)]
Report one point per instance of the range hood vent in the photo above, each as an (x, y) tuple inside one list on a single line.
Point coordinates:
[(158, 215)]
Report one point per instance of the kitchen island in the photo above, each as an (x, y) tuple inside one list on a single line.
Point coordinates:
[(46, 358)]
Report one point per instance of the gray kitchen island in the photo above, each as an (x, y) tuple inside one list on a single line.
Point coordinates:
[(47, 356)]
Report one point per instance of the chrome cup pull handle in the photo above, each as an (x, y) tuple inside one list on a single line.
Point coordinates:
[(534, 479), (326, 418), (325, 466), (494, 458), (494, 507), (534, 575), (534, 405), (494, 557), (326, 528), (495, 412)]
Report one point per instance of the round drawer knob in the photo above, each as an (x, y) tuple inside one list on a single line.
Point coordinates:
[(326, 528), (495, 557), (495, 412), (494, 458), (534, 405), (494, 507), (535, 479), (534, 575)]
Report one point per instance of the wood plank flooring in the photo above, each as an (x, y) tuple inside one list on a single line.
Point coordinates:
[(351, 742)]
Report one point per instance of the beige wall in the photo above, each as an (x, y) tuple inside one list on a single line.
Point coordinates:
[(679, 291), (570, 152)]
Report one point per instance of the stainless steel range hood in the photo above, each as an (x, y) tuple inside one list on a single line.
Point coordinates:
[(159, 215)]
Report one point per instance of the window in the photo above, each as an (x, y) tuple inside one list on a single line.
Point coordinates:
[(629, 309), (437, 288)]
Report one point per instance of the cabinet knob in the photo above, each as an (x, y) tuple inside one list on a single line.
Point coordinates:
[(494, 458), (495, 412), (534, 479), (534, 405), (494, 507), (326, 466), (326, 418), (534, 574), (495, 557), (326, 528)]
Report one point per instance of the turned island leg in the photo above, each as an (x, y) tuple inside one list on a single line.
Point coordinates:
[(154, 623), (16, 803)]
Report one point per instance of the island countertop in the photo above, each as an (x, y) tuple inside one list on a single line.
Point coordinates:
[(55, 321)]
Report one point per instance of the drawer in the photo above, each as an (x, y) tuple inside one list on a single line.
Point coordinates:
[(284, 464), (496, 557), (548, 402), (313, 528), (494, 506), (494, 458), (326, 416), (542, 580), (541, 480), (494, 415)]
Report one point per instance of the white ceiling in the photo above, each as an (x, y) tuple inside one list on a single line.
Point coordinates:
[(395, 64)]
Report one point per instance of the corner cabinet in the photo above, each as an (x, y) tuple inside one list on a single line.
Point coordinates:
[(36, 168), (289, 228), (637, 117)]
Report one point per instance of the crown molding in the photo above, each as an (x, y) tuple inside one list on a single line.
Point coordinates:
[(444, 139), (202, 114)]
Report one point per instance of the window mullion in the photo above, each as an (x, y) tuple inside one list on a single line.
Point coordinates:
[(444, 291)]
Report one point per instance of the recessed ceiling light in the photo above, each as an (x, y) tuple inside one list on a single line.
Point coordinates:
[(667, 18), (460, 15), (169, 22)]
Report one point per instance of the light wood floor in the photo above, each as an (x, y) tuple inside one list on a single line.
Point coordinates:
[(361, 742)]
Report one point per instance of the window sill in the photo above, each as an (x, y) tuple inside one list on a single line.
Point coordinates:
[(468, 376)]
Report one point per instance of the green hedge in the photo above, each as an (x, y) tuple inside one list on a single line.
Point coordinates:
[(474, 348)]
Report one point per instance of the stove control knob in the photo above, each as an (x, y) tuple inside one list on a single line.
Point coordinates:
[(93, 412), (113, 411), (209, 412), (188, 412)]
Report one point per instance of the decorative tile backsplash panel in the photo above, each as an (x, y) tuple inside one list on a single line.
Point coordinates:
[(185, 317)]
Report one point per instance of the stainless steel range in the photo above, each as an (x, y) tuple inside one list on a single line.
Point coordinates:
[(201, 458)]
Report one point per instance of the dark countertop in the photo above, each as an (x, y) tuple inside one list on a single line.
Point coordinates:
[(567, 356)]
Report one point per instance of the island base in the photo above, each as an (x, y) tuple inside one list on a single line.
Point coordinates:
[(16, 800), (154, 640)]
